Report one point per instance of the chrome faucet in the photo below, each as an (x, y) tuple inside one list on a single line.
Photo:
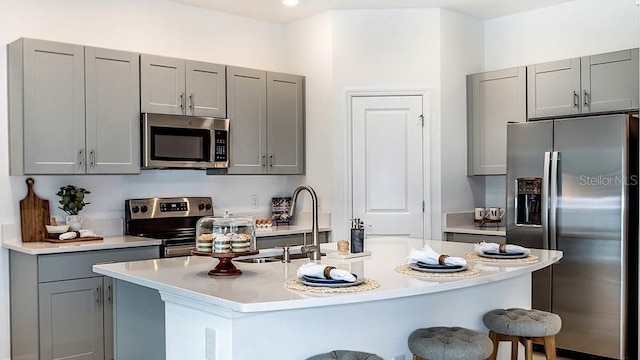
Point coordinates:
[(313, 250)]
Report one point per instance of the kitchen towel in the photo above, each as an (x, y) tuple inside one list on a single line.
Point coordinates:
[(77, 234), (503, 248), (320, 271), (429, 256)]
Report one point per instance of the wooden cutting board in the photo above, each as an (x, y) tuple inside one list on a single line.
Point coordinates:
[(34, 215)]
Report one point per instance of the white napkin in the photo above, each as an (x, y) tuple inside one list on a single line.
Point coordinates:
[(75, 234), (493, 247), (430, 256), (317, 270)]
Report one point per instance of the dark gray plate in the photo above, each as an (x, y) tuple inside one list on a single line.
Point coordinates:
[(335, 284), (450, 269), (495, 255)]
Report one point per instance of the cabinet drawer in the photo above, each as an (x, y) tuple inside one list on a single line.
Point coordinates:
[(54, 267)]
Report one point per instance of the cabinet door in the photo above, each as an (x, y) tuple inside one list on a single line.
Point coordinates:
[(610, 81), (494, 99), (285, 123), (162, 85), (71, 314), (54, 116), (205, 89), (113, 111), (554, 88), (247, 110)]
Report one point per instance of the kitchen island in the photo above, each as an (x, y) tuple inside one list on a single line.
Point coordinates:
[(254, 316)]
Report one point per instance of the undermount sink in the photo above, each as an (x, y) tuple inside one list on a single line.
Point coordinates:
[(264, 260)]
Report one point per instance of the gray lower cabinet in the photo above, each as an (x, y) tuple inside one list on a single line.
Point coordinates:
[(266, 112), (182, 87), (596, 83), (266, 242), (72, 109), (60, 308), (494, 99)]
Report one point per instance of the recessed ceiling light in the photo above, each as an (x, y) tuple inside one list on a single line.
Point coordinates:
[(290, 2)]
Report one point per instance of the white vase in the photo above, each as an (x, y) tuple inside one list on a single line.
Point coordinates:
[(74, 222)]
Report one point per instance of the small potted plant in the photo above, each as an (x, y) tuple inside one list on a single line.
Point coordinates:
[(72, 201)]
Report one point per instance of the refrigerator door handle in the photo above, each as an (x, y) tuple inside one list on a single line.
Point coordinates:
[(553, 200), (545, 200)]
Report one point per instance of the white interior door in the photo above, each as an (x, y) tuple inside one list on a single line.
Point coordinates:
[(387, 164)]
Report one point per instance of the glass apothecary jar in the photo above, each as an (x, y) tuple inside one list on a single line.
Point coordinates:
[(225, 235)]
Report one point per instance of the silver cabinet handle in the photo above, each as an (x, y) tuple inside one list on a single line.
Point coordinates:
[(99, 295), (81, 157), (110, 293), (271, 160), (92, 158), (585, 100), (191, 104), (575, 99), (264, 157), (182, 102)]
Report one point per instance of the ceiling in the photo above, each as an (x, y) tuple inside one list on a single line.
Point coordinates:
[(274, 11)]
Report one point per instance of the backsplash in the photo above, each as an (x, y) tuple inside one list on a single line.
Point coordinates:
[(496, 191)]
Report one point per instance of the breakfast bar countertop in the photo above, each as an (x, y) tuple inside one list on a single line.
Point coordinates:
[(261, 286)]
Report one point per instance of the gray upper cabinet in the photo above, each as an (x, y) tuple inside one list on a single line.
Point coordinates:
[(72, 110), (285, 123), (46, 107), (494, 99), (112, 111), (266, 112), (182, 87), (554, 88), (247, 110), (610, 81), (596, 83)]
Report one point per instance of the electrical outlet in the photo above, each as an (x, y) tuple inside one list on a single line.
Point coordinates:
[(209, 344), (255, 199)]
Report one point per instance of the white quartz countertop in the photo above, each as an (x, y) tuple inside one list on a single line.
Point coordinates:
[(261, 286), (111, 242), (462, 223)]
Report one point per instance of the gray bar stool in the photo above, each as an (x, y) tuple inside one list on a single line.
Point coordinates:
[(523, 326), (345, 355), (449, 343)]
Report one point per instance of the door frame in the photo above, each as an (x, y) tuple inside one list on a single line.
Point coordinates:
[(347, 166)]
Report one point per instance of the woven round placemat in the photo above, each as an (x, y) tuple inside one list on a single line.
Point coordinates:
[(368, 284), (468, 272), (471, 256)]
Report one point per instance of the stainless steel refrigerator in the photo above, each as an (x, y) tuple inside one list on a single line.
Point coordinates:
[(572, 186)]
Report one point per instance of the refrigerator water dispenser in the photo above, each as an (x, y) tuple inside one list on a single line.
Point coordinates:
[(528, 201)]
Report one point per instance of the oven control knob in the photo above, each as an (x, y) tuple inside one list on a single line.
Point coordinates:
[(208, 206), (135, 209), (144, 208), (200, 207)]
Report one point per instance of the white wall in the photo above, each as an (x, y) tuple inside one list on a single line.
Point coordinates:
[(462, 53), (573, 29), (150, 26), (380, 50)]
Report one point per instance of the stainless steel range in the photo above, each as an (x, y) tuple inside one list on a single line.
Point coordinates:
[(172, 220)]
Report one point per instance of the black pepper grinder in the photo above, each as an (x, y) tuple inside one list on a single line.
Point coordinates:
[(357, 236)]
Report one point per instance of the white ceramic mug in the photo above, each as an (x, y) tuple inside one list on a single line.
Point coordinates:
[(496, 213), (480, 213)]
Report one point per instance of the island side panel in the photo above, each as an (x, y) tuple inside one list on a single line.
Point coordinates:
[(200, 331)]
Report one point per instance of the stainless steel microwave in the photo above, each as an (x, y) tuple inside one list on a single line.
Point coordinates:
[(175, 141)]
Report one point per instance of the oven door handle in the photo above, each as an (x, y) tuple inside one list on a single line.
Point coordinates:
[(178, 250)]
